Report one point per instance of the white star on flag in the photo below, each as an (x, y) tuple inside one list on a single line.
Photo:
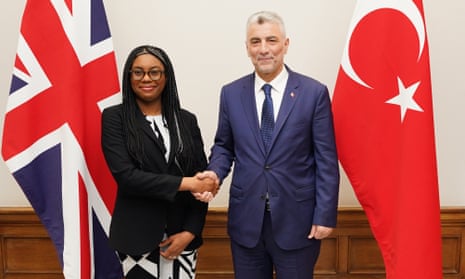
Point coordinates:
[(405, 98), (401, 166)]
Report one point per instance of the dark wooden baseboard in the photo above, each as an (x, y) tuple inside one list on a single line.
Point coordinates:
[(26, 251)]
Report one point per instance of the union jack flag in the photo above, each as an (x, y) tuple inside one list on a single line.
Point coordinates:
[(64, 75)]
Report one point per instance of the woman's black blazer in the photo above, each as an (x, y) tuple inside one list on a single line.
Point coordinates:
[(148, 202)]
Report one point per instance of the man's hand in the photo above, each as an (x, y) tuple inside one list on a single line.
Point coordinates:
[(320, 232), (207, 196), (204, 197), (195, 184), (208, 174)]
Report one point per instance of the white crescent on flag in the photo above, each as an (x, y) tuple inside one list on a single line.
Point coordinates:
[(408, 8), (390, 161)]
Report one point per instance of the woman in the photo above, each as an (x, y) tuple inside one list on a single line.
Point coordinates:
[(153, 149)]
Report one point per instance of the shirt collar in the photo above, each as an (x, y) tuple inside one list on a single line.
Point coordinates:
[(278, 83)]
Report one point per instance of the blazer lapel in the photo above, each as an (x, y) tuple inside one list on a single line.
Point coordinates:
[(147, 129), (290, 97), (250, 110)]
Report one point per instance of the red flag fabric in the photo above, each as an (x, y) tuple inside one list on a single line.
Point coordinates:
[(64, 75), (383, 116)]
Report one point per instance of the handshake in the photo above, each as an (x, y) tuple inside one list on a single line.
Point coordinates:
[(205, 185)]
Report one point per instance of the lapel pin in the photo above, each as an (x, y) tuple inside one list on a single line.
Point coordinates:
[(292, 94)]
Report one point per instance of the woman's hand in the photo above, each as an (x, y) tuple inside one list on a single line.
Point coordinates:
[(206, 196), (199, 184), (173, 246)]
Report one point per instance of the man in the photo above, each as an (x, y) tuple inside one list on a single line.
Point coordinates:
[(284, 190)]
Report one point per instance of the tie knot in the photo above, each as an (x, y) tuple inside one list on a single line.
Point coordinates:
[(267, 89)]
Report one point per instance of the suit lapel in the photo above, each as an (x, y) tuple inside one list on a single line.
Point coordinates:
[(290, 97), (147, 129), (250, 109)]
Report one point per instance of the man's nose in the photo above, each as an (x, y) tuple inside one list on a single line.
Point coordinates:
[(264, 47)]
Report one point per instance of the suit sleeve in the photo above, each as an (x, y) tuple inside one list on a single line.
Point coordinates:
[(327, 167), (222, 152)]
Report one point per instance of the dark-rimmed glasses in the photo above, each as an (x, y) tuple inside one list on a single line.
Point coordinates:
[(139, 74)]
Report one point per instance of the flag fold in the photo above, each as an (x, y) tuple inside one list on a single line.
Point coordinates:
[(64, 74), (383, 115)]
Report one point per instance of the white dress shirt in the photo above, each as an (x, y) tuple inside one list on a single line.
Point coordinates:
[(278, 86)]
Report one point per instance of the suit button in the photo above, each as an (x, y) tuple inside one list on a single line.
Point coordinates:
[(267, 167)]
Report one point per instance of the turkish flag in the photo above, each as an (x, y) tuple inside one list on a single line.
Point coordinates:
[(383, 116)]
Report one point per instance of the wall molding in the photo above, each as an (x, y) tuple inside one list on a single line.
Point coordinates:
[(26, 251)]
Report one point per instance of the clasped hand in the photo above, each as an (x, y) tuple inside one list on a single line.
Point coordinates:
[(207, 196)]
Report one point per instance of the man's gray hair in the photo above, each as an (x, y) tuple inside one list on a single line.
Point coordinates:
[(266, 16)]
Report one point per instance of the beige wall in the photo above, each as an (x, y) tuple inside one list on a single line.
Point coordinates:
[(205, 40)]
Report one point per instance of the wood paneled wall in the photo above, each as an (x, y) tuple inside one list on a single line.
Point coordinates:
[(26, 251)]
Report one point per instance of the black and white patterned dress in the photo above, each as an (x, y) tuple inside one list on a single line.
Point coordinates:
[(154, 266)]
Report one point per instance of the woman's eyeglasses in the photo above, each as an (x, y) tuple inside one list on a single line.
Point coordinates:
[(139, 74)]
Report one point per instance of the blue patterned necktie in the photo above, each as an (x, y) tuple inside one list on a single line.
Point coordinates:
[(267, 117)]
